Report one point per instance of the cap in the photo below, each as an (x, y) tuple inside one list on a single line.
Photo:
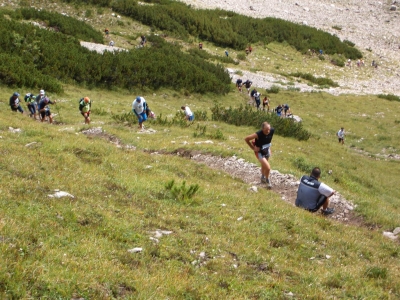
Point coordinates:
[(41, 92), (16, 94), (86, 99), (138, 99)]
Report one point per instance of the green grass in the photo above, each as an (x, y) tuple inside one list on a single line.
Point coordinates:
[(78, 247)]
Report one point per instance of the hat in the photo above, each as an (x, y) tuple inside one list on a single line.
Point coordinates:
[(138, 99), (41, 92), (16, 94), (86, 99)]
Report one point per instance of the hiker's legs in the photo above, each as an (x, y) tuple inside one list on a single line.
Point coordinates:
[(265, 167)]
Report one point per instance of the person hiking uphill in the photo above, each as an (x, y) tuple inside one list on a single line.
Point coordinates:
[(30, 101), (44, 110), (15, 103), (139, 109), (260, 143), (85, 106)]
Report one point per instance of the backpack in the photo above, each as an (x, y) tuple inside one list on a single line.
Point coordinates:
[(81, 104)]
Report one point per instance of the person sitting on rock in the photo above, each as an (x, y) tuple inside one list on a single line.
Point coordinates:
[(313, 194)]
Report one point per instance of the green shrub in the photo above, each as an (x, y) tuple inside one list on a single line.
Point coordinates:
[(389, 97), (321, 81), (376, 272), (246, 116), (273, 89), (229, 29), (241, 56), (181, 193)]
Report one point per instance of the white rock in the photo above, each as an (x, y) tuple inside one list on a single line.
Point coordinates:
[(30, 144), (60, 194), (240, 218), (253, 189), (328, 256), (396, 231), (135, 250), (390, 235)]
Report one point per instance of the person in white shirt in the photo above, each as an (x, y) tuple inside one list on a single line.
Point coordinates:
[(340, 134), (139, 109), (188, 113)]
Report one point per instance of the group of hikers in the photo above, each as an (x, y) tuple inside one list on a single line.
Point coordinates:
[(312, 195), (282, 110), (39, 109), (142, 111)]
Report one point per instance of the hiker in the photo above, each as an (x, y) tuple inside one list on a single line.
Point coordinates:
[(85, 106), (189, 115), (107, 32), (139, 108), (252, 95), (30, 101), (265, 103), (15, 103), (286, 110), (313, 194), (226, 53), (44, 109), (111, 43), (250, 49), (247, 51), (142, 40), (38, 99), (260, 143), (239, 83), (247, 85), (279, 110), (200, 46), (340, 134), (257, 98)]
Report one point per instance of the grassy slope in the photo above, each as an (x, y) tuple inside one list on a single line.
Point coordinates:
[(65, 247)]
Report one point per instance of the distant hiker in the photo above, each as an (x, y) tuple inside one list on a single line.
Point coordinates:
[(139, 109), (239, 83), (226, 53), (106, 31), (142, 40), (112, 43), (247, 85), (312, 194), (30, 101), (260, 143), (286, 109), (373, 63), (257, 98), (279, 110), (200, 46), (252, 95), (348, 63), (189, 115), (85, 106), (247, 51), (265, 103), (250, 49), (340, 134), (321, 52), (15, 103), (44, 109), (38, 99)]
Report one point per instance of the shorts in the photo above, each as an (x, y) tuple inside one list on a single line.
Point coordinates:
[(87, 113), (141, 117), (341, 140), (32, 108), (191, 118), (260, 155), (321, 200), (45, 113), (19, 108)]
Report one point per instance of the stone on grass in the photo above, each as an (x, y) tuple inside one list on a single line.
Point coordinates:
[(396, 231), (390, 235), (60, 194), (135, 250)]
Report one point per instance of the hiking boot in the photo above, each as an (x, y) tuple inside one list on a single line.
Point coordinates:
[(269, 184), (328, 211), (263, 179)]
